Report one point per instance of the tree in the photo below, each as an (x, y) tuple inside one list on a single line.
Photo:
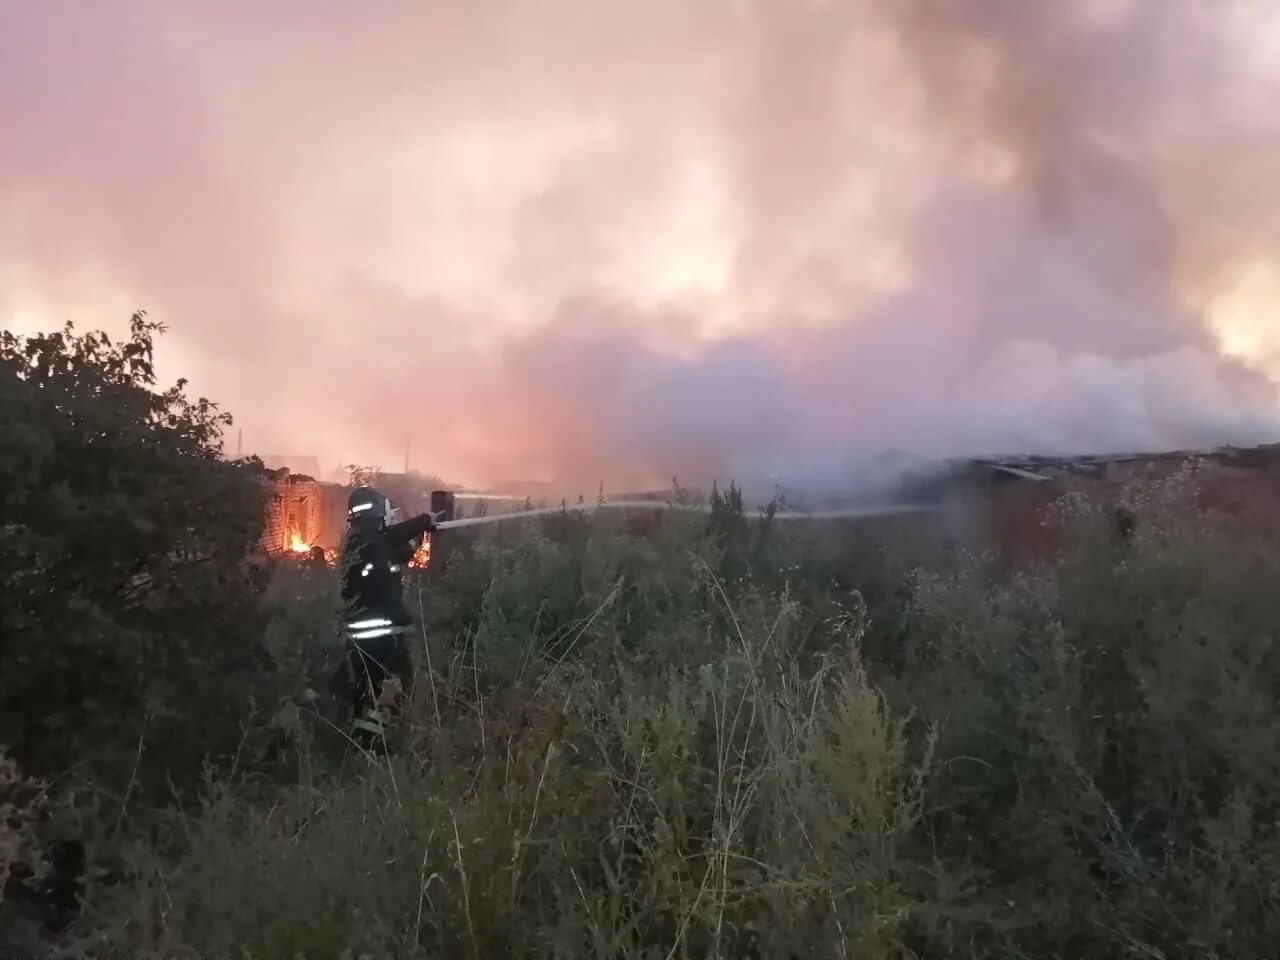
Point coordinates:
[(127, 614)]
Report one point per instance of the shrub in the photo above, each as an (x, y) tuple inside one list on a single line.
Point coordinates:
[(732, 802), (129, 619), (727, 737), (1107, 781)]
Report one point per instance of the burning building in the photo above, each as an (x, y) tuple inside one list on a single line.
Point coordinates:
[(302, 513)]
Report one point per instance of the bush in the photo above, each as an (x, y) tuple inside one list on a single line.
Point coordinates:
[(617, 753), (727, 737), (1107, 780), (129, 616), (732, 802)]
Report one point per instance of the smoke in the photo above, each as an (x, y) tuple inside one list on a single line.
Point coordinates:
[(620, 242)]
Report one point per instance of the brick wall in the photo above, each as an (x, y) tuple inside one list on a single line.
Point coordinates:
[(297, 504)]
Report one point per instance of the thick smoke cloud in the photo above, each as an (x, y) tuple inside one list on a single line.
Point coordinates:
[(625, 241)]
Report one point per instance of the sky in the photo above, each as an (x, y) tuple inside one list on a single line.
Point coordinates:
[(623, 241)]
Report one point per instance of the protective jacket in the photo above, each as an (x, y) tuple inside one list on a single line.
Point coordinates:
[(375, 619), (373, 561)]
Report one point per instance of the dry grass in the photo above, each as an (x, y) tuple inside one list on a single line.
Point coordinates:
[(739, 742)]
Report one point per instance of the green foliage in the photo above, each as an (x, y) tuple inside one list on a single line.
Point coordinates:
[(19, 799), (1108, 782), (729, 737), (123, 591), (612, 752), (738, 540), (733, 802)]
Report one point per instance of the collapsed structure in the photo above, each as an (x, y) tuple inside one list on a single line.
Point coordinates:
[(1003, 505)]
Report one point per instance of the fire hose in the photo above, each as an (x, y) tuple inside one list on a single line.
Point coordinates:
[(838, 514)]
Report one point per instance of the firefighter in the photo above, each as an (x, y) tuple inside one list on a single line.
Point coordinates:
[(376, 622)]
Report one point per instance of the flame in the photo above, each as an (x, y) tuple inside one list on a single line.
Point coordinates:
[(422, 558), (299, 547)]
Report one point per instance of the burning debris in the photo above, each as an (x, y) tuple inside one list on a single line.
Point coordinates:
[(422, 559), (305, 518)]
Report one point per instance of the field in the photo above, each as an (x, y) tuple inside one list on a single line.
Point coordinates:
[(722, 738)]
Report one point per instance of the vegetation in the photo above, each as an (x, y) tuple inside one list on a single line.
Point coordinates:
[(725, 737), (122, 556)]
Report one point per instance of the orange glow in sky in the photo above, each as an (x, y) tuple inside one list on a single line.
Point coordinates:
[(650, 237)]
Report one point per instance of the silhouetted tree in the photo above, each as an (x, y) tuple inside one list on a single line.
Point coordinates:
[(127, 616)]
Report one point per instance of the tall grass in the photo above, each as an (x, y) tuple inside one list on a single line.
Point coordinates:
[(1108, 739), (736, 801), (733, 740)]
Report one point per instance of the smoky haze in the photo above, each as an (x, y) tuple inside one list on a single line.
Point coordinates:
[(624, 241)]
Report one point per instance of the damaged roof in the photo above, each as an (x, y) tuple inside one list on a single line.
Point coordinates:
[(1040, 468), (1043, 469)]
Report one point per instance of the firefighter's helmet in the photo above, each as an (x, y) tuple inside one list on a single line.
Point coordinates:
[(367, 505)]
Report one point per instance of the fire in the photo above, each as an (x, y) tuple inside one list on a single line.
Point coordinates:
[(299, 548), (422, 558)]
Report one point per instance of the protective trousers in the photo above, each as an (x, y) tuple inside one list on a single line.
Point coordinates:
[(373, 661)]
